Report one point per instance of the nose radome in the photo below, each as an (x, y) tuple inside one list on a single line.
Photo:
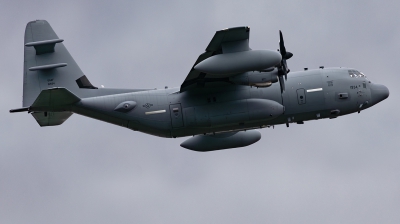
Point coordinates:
[(378, 93)]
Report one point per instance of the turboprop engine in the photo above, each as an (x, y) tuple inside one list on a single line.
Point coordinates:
[(239, 62), (257, 79)]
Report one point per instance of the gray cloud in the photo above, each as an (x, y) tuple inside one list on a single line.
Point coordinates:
[(344, 170)]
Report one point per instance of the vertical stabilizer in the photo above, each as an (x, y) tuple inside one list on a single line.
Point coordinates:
[(47, 63)]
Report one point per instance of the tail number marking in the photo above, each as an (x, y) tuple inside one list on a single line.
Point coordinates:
[(50, 82)]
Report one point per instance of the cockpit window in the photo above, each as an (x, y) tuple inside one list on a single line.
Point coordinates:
[(356, 74)]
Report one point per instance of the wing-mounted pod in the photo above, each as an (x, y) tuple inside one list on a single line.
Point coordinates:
[(204, 143), (257, 79)]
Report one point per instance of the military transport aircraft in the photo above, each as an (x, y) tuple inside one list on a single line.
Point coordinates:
[(230, 92)]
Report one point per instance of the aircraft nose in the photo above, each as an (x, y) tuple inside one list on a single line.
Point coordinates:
[(378, 93)]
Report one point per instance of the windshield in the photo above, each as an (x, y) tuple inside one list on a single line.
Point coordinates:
[(356, 74)]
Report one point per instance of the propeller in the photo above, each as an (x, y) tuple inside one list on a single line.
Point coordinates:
[(283, 69)]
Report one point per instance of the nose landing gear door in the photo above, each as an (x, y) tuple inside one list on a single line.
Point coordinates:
[(176, 115), (362, 97)]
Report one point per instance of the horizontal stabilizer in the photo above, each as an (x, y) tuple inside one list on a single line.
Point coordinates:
[(51, 118), (45, 67), (53, 99), (51, 106)]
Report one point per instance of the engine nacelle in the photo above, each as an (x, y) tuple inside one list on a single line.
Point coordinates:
[(234, 63), (257, 79)]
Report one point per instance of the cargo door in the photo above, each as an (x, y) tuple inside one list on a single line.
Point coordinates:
[(176, 115), (301, 96)]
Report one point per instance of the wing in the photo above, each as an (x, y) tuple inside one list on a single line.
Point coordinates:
[(224, 41)]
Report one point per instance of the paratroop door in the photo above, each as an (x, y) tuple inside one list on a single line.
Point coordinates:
[(176, 115)]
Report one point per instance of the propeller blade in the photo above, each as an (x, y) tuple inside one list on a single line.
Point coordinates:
[(282, 48), (282, 83), (285, 69), (288, 55), (285, 55)]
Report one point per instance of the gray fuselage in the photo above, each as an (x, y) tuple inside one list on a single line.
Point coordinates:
[(309, 95), (230, 90)]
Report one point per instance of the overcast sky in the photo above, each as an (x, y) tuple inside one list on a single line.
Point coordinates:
[(344, 170)]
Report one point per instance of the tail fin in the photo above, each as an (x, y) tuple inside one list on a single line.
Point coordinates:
[(47, 63)]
